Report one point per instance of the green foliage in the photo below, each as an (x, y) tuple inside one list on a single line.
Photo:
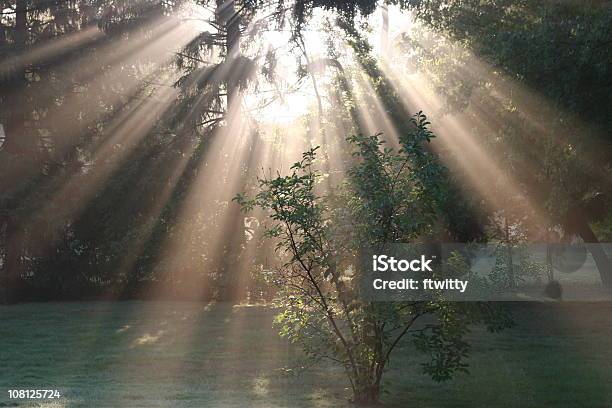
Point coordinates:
[(508, 273), (603, 229), (542, 70), (66, 219), (457, 209), (385, 199), (514, 264), (391, 196), (302, 9)]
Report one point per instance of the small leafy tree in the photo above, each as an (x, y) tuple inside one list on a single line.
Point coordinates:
[(514, 263), (389, 197)]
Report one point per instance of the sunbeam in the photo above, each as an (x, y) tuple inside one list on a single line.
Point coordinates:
[(305, 204)]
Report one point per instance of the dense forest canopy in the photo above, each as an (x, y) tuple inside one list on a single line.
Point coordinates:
[(129, 126)]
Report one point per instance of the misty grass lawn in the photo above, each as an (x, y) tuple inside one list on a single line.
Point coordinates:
[(166, 354)]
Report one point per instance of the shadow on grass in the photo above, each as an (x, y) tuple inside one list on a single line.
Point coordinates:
[(181, 354)]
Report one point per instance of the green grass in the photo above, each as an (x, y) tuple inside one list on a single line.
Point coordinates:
[(165, 354)]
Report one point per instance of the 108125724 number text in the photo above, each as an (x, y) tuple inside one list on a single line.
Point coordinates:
[(34, 394)]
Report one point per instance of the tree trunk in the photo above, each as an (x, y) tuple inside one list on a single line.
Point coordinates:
[(228, 18), (604, 266), (233, 239), (18, 158), (368, 396), (231, 289), (10, 280), (577, 223), (511, 278)]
